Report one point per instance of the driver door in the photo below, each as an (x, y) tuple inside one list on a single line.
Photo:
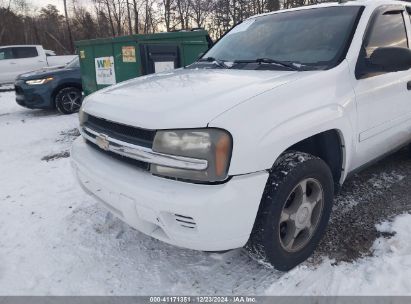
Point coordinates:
[(383, 99)]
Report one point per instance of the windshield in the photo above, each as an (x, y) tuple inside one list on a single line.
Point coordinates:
[(316, 38), (75, 63)]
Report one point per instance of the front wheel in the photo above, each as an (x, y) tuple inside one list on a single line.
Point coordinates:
[(294, 211), (68, 100)]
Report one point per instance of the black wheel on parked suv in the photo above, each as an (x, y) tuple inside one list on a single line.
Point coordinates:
[(294, 210), (68, 100)]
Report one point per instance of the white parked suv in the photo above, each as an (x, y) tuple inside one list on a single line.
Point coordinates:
[(247, 146)]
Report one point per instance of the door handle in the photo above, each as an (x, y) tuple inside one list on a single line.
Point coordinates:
[(409, 85), (13, 63)]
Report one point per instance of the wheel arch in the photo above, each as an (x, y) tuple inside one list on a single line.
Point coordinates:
[(328, 145)]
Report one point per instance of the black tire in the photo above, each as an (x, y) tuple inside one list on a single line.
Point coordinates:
[(68, 100), (267, 238)]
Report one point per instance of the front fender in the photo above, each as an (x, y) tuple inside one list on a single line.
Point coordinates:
[(256, 152), (283, 136), (263, 128)]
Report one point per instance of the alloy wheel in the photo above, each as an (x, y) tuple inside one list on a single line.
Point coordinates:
[(301, 214), (71, 101)]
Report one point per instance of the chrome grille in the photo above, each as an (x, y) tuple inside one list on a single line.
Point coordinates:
[(129, 134), (133, 143), (139, 164)]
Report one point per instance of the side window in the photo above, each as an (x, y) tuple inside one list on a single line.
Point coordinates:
[(24, 52), (6, 53), (386, 30)]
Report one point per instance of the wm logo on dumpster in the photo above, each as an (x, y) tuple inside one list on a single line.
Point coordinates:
[(103, 63)]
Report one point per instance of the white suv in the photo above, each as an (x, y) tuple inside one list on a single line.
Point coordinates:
[(247, 146)]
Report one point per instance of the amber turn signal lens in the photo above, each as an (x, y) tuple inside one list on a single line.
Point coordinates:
[(223, 150)]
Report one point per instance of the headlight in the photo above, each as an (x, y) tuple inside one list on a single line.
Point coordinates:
[(82, 115), (213, 145), (39, 81)]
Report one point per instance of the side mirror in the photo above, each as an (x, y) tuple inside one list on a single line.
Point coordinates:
[(391, 59)]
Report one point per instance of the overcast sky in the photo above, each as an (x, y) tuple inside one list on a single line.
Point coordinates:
[(58, 3), (41, 3)]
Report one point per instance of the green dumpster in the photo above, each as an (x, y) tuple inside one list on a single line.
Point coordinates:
[(109, 61)]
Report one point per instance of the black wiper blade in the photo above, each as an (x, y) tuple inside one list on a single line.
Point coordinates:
[(219, 62), (271, 61)]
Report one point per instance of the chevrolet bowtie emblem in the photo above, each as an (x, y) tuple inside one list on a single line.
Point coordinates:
[(102, 142)]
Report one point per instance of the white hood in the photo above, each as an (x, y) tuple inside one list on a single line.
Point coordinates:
[(185, 98)]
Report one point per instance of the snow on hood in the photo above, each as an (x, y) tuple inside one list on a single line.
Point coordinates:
[(184, 98)]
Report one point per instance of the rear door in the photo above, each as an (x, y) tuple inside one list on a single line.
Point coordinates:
[(27, 59)]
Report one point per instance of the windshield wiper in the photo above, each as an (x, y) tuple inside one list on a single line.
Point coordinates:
[(289, 65), (219, 62)]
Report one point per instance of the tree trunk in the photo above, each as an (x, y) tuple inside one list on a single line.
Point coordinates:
[(146, 21), (136, 19), (167, 14), (130, 26), (57, 41), (71, 44), (117, 17), (110, 17)]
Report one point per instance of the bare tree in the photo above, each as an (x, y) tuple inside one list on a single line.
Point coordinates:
[(116, 17), (273, 5), (168, 6), (71, 43), (150, 17), (183, 9), (200, 10), (107, 5), (117, 10), (130, 26), (136, 17)]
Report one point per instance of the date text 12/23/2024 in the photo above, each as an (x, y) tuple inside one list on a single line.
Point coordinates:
[(203, 299)]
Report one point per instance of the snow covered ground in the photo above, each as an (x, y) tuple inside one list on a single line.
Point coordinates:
[(55, 240)]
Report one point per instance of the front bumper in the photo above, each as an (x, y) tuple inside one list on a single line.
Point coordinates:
[(200, 217), (33, 97)]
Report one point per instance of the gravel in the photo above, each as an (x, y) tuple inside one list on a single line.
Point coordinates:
[(376, 194)]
